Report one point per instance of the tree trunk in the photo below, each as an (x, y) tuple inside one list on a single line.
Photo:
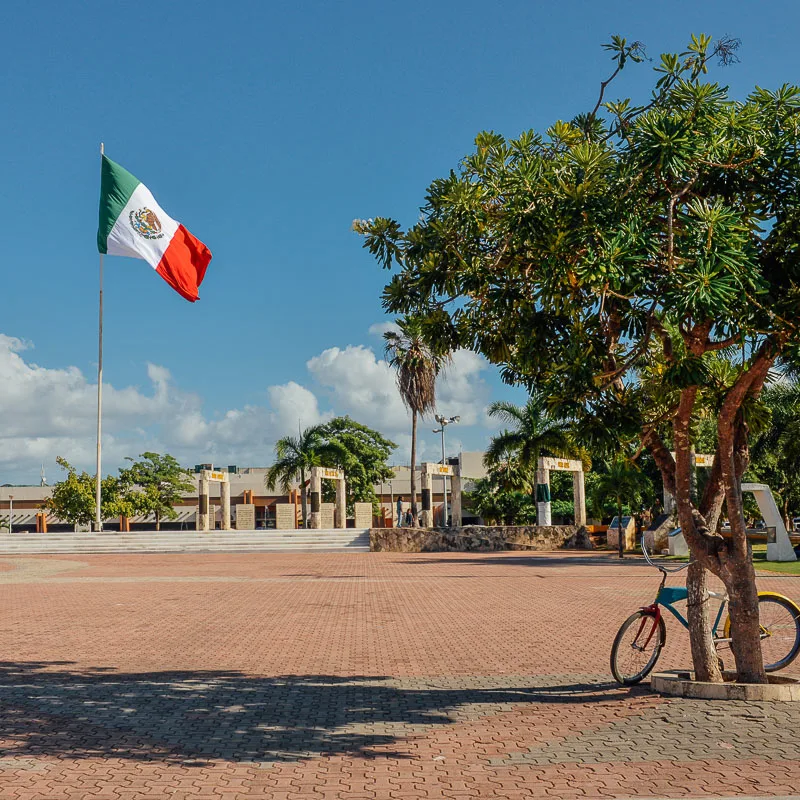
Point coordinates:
[(745, 628), (414, 520), (704, 654), (704, 659), (158, 521), (738, 573), (620, 539)]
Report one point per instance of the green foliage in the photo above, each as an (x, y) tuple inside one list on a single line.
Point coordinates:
[(578, 260), (362, 453), (775, 454), (621, 486), (341, 443), (500, 507), (500, 501), (409, 351), (562, 510), (73, 499), (294, 457), (534, 432), (160, 483), (639, 265)]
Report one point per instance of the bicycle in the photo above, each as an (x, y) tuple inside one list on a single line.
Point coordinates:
[(632, 659)]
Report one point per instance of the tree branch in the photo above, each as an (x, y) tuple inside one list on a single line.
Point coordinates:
[(731, 340)]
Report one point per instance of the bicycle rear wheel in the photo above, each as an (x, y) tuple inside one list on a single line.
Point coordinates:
[(637, 646), (779, 619)]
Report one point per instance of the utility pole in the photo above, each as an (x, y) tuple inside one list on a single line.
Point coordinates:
[(444, 422)]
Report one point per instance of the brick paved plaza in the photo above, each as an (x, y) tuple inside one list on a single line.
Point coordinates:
[(356, 676)]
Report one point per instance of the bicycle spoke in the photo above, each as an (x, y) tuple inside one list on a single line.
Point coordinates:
[(636, 648)]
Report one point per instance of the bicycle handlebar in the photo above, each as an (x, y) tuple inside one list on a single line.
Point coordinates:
[(660, 567)]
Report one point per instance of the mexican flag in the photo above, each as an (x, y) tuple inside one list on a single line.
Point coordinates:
[(133, 224)]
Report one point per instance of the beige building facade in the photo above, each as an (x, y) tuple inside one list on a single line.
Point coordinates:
[(246, 486)]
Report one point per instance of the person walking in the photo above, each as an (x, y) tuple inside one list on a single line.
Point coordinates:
[(400, 511)]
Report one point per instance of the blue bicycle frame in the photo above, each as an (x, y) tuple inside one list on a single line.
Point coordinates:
[(669, 595)]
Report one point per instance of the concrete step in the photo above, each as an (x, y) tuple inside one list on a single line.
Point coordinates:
[(185, 541)]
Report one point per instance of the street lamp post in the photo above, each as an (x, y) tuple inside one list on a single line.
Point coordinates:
[(10, 512), (444, 422)]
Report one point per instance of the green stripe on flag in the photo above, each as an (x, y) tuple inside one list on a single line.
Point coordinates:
[(116, 187)]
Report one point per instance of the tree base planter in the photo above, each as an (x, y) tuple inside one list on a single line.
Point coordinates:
[(681, 683)]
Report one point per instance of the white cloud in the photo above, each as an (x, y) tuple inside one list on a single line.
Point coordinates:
[(379, 328), (45, 412), (462, 390), (360, 385), (364, 387)]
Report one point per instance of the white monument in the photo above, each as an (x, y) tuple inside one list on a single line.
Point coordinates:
[(205, 512), (339, 519), (428, 470), (778, 550), (546, 465)]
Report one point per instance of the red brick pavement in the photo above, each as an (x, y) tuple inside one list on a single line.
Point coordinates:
[(355, 676)]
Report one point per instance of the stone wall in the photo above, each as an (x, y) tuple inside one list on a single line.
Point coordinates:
[(478, 538)]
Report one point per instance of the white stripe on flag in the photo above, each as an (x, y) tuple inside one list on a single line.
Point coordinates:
[(124, 240)]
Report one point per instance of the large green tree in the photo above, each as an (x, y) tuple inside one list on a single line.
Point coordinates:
[(609, 260), (362, 453), (73, 498), (160, 481), (417, 362), (294, 457)]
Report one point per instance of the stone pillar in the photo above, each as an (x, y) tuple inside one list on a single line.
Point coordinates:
[(202, 505), (579, 498), (340, 515), (225, 502), (426, 516), (455, 498), (316, 498), (543, 495)]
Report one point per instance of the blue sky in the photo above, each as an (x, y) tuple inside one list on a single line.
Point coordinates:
[(266, 128)]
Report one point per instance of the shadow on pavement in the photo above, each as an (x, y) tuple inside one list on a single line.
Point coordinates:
[(504, 557), (196, 717)]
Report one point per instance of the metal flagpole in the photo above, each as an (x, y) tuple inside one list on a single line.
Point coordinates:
[(98, 478)]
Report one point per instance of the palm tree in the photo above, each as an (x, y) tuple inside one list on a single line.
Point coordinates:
[(534, 432), (775, 453), (294, 457), (417, 363), (623, 481)]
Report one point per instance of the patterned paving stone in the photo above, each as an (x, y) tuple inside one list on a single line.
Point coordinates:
[(356, 676)]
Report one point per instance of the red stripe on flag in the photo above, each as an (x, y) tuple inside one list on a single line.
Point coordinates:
[(183, 265)]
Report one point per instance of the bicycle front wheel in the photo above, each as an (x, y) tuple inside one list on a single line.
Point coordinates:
[(637, 646), (779, 619)]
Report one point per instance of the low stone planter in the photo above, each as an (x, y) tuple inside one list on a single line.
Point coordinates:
[(681, 683), (479, 538)]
